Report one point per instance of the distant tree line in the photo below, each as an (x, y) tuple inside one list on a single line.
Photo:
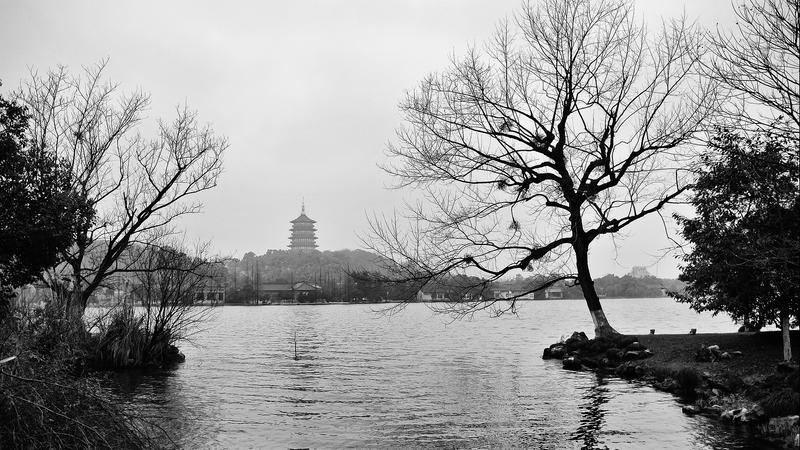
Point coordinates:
[(610, 286)]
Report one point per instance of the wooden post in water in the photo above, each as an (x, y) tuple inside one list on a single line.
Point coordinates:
[(295, 346)]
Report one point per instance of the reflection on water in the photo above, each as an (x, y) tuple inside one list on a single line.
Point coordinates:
[(592, 414), (414, 380)]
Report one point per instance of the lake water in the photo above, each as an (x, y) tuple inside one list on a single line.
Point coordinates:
[(417, 379)]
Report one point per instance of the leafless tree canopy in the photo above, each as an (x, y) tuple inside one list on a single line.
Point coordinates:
[(571, 124), (760, 63), (136, 187), (166, 284)]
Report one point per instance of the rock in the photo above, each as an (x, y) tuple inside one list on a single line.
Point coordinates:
[(576, 340), (690, 410), (625, 371), (736, 353), (546, 354), (667, 385), (693, 331), (591, 363), (749, 415), (743, 415), (706, 354), (614, 354), (635, 346), (730, 414), (572, 363), (632, 355), (646, 353), (558, 351), (725, 355)]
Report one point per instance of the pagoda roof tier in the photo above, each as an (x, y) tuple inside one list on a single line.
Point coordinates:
[(303, 218)]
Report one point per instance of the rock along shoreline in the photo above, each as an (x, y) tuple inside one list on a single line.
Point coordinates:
[(735, 377)]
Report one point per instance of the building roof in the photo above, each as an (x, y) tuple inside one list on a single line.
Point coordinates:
[(303, 218)]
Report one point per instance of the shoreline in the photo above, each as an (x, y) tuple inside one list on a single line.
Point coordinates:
[(748, 385)]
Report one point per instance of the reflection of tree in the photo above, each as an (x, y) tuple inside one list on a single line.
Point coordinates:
[(592, 415), (174, 416)]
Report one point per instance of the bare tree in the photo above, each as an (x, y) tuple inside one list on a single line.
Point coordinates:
[(166, 285), (572, 124), (135, 187), (759, 61)]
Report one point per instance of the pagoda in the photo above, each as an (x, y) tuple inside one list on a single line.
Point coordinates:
[(304, 234)]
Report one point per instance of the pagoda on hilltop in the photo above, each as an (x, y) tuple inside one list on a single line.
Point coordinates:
[(304, 233)]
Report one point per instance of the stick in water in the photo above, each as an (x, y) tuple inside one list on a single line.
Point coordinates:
[(295, 346)]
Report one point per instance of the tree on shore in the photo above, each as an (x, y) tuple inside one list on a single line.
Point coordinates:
[(573, 123), (136, 187), (754, 276), (745, 259), (165, 285), (40, 211)]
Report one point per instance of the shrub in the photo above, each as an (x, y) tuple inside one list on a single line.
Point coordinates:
[(793, 380), (783, 402), (660, 373), (688, 380), (121, 342), (55, 411), (42, 403)]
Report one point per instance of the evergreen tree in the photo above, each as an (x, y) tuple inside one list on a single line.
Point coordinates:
[(746, 235)]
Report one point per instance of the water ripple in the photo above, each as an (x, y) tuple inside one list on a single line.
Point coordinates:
[(415, 380)]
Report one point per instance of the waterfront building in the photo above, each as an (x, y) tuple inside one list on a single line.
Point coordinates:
[(304, 233), (288, 293)]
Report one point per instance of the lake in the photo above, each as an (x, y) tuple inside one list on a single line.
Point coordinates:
[(416, 379)]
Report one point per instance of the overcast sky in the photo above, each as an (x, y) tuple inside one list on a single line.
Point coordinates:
[(306, 92)]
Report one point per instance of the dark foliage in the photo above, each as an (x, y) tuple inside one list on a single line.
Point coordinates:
[(746, 235), (783, 402), (40, 211)]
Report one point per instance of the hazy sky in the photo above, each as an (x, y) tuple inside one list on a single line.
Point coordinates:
[(306, 91)]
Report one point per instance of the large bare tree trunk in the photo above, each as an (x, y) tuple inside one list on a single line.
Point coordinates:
[(787, 340), (601, 326)]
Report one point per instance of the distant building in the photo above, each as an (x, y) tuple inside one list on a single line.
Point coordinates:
[(288, 293), (639, 272), (432, 295), (552, 292), (304, 233), (211, 291)]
